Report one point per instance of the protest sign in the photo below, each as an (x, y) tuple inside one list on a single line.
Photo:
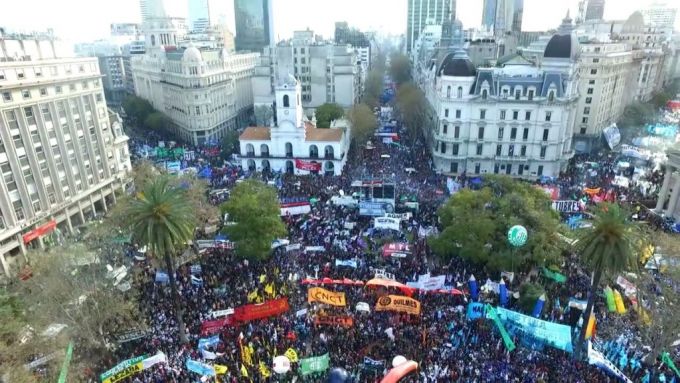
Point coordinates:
[(433, 282), (221, 313), (314, 364), (347, 263), (213, 326), (334, 320), (566, 206), (374, 364), (382, 274), (123, 369), (548, 333), (400, 216), (294, 246), (318, 294), (131, 335), (398, 303), (312, 249), (475, 310), (363, 306), (208, 342), (200, 368), (397, 250), (262, 310), (387, 223), (301, 312)]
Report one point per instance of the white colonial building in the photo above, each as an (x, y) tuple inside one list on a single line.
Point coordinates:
[(295, 144), (515, 119)]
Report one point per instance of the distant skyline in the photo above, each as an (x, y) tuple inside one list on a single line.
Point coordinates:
[(87, 20)]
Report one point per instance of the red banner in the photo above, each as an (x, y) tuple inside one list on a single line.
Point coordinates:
[(210, 327), (334, 320), (308, 165), (40, 231), (396, 248), (263, 310)]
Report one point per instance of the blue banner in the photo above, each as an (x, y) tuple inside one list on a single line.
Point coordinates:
[(200, 368), (196, 269), (196, 281), (539, 331), (208, 342), (162, 277), (475, 310), (348, 263)]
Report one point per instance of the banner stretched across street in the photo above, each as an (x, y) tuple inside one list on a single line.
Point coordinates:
[(252, 312)]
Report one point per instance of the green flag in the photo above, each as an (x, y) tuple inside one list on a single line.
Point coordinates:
[(67, 362), (491, 313), (314, 364), (666, 359), (557, 277)]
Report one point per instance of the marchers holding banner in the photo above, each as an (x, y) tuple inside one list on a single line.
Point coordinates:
[(334, 320), (309, 166), (398, 303), (318, 294), (251, 312), (123, 369), (387, 223), (566, 206)]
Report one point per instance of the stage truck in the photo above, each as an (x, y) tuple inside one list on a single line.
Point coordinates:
[(375, 196)]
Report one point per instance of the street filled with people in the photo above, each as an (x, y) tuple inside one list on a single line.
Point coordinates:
[(340, 293)]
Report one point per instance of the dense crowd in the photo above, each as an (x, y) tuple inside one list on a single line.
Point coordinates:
[(447, 345)]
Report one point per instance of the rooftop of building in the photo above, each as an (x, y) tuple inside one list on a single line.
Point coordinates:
[(256, 133), (312, 134)]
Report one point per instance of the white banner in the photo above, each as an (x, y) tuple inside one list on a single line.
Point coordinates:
[(295, 246), (566, 206), (349, 225), (401, 216), (221, 313), (296, 210), (363, 306), (433, 283), (301, 312), (510, 276), (311, 249), (387, 223), (154, 360), (382, 274)]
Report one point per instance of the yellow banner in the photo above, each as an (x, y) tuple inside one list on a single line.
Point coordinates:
[(398, 303), (128, 371), (317, 294)]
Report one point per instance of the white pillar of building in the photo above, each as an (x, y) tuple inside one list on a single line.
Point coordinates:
[(5, 265), (663, 194), (80, 213), (68, 221), (674, 198), (22, 247), (106, 208)]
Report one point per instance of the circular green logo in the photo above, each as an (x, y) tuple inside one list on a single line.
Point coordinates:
[(517, 235)]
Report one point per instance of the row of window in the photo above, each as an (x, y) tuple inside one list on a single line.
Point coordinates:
[(443, 148), (498, 167), (502, 114), (501, 133), (26, 94), (52, 70)]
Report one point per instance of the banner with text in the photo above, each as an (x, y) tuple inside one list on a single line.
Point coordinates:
[(387, 223), (318, 294), (398, 303), (314, 364), (334, 320), (548, 333), (263, 310)]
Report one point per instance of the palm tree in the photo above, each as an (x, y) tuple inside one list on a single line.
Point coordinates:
[(607, 247), (162, 219)]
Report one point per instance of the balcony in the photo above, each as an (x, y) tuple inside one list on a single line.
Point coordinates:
[(511, 158)]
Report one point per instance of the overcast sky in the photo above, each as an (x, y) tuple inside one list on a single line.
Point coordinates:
[(86, 20)]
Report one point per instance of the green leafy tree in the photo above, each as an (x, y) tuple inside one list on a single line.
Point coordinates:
[(400, 68), (327, 113), (475, 225), (156, 121), (363, 122), (412, 105), (230, 144), (607, 247), (263, 115), (255, 208), (373, 88), (528, 295), (161, 218), (137, 108)]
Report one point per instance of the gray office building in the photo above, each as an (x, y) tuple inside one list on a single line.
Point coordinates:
[(424, 12), (595, 10), (254, 25)]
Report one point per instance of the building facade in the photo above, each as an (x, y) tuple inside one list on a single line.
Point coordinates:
[(661, 16), (294, 145), (501, 16), (604, 69), (254, 24), (327, 72), (595, 10), (513, 119), (425, 12), (62, 153)]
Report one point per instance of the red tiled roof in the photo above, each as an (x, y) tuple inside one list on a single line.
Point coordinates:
[(312, 133), (256, 133)]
